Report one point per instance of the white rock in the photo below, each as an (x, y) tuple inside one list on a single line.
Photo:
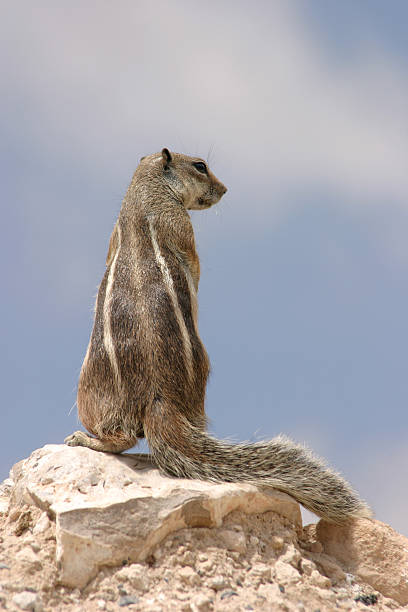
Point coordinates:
[(320, 581), (29, 559), (262, 571), (6, 487), (42, 524), (277, 543), (331, 569), (272, 594), (308, 566), (291, 555), (125, 507), (218, 583), (233, 540), (188, 559), (371, 550), (202, 603), (285, 573), (136, 575), (189, 576), (5, 491), (26, 600)]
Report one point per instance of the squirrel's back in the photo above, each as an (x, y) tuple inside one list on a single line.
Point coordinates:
[(146, 369)]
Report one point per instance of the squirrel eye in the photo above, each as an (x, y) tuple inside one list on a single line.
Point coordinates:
[(201, 167)]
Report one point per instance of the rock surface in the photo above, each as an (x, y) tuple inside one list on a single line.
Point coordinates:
[(82, 530), (114, 509), (372, 551)]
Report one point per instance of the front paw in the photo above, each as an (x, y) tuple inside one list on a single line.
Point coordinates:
[(78, 438)]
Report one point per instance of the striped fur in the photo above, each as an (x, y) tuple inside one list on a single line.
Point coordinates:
[(168, 282), (146, 369), (107, 331)]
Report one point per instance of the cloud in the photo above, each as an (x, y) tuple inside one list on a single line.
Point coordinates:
[(107, 83), (93, 86)]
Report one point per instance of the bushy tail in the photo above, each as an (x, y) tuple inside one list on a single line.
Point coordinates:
[(182, 450)]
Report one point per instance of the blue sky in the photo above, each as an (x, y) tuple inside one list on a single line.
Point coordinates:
[(301, 110)]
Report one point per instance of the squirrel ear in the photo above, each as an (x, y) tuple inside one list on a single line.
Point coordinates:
[(166, 158)]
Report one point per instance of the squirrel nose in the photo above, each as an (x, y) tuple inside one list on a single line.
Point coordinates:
[(224, 189)]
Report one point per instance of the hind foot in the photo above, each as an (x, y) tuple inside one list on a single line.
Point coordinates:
[(80, 438)]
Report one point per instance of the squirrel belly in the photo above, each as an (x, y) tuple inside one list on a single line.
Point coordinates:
[(146, 369)]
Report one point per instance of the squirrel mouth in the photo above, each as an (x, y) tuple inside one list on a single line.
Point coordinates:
[(209, 201)]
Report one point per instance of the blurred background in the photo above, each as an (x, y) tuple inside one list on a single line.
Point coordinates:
[(301, 109)]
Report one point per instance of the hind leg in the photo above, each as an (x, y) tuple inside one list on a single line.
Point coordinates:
[(115, 444)]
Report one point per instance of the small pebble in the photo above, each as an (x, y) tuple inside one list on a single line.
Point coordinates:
[(368, 600), (218, 583), (27, 600), (189, 576), (317, 579), (128, 600), (316, 547), (42, 525), (277, 543)]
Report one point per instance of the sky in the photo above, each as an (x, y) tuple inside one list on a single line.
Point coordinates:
[(300, 108)]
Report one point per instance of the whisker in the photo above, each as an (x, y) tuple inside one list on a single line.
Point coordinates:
[(72, 407)]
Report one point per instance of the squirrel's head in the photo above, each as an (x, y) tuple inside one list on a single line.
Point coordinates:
[(188, 178)]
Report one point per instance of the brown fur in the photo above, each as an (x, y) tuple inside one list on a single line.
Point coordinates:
[(146, 369)]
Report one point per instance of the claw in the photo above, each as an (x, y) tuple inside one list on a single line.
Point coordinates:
[(78, 438)]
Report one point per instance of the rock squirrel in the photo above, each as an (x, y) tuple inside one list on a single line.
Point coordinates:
[(146, 369)]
